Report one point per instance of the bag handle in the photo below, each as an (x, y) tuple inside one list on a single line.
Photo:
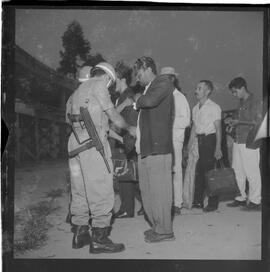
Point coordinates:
[(220, 162)]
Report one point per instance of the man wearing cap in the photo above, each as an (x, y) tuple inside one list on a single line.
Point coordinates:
[(181, 120), (154, 146), (91, 183)]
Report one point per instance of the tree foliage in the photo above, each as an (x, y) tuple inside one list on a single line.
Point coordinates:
[(94, 60), (76, 50)]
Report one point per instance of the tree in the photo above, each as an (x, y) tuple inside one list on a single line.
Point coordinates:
[(94, 60), (76, 50)]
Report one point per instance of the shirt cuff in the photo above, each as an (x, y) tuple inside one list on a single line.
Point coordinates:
[(134, 106)]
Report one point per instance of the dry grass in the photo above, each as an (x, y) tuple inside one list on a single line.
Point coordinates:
[(31, 226)]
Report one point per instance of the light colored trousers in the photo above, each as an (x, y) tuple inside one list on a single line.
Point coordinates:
[(246, 166), (155, 180), (177, 173), (91, 187)]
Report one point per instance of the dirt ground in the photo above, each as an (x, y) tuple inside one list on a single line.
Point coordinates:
[(229, 233)]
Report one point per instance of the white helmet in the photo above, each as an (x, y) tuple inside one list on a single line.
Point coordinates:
[(84, 73), (108, 69)]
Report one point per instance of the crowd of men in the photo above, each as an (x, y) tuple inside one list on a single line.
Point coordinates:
[(145, 129)]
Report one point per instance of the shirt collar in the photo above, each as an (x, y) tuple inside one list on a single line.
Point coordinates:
[(146, 87), (207, 101)]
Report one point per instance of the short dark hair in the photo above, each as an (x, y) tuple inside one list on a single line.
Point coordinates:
[(238, 83), (96, 71), (124, 71), (208, 83), (145, 62)]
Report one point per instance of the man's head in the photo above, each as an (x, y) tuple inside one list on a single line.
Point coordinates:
[(204, 89), (238, 87), (145, 70), (84, 73), (124, 76), (170, 71), (106, 71)]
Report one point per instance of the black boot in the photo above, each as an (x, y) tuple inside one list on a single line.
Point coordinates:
[(81, 236), (102, 244)]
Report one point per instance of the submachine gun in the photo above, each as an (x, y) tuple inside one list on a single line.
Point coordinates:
[(84, 118), (85, 121)]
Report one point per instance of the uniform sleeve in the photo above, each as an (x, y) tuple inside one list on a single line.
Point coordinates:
[(103, 97)]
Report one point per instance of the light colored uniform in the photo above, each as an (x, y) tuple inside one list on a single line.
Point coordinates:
[(181, 121), (91, 183)]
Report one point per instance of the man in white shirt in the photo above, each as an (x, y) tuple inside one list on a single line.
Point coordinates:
[(206, 116), (181, 120)]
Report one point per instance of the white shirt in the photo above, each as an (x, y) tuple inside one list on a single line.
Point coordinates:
[(205, 117), (181, 116), (138, 132)]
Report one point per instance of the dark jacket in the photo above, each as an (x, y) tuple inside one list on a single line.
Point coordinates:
[(155, 122), (130, 115)]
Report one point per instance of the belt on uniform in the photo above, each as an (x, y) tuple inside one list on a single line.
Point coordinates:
[(204, 135), (80, 149)]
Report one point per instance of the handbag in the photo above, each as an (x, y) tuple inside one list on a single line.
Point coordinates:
[(221, 181), (125, 170)]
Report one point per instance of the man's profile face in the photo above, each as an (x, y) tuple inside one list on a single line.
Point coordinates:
[(142, 76), (238, 92), (118, 84), (201, 91)]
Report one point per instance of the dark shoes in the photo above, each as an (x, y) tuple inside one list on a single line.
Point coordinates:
[(121, 214), (153, 237), (197, 205), (81, 236), (102, 244), (148, 232), (176, 210), (141, 211), (252, 207), (209, 209), (237, 203), (99, 243)]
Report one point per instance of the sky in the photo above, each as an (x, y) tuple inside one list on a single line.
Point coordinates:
[(215, 45)]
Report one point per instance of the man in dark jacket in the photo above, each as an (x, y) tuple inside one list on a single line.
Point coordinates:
[(154, 146)]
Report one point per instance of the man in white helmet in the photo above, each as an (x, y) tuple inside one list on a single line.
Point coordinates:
[(91, 183)]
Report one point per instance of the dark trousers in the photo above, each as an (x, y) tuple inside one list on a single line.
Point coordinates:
[(206, 162), (128, 190)]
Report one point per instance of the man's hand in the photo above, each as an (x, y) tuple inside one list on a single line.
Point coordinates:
[(132, 131), (233, 122), (218, 153), (136, 96), (128, 101)]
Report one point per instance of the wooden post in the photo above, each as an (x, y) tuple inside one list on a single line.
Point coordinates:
[(36, 137)]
